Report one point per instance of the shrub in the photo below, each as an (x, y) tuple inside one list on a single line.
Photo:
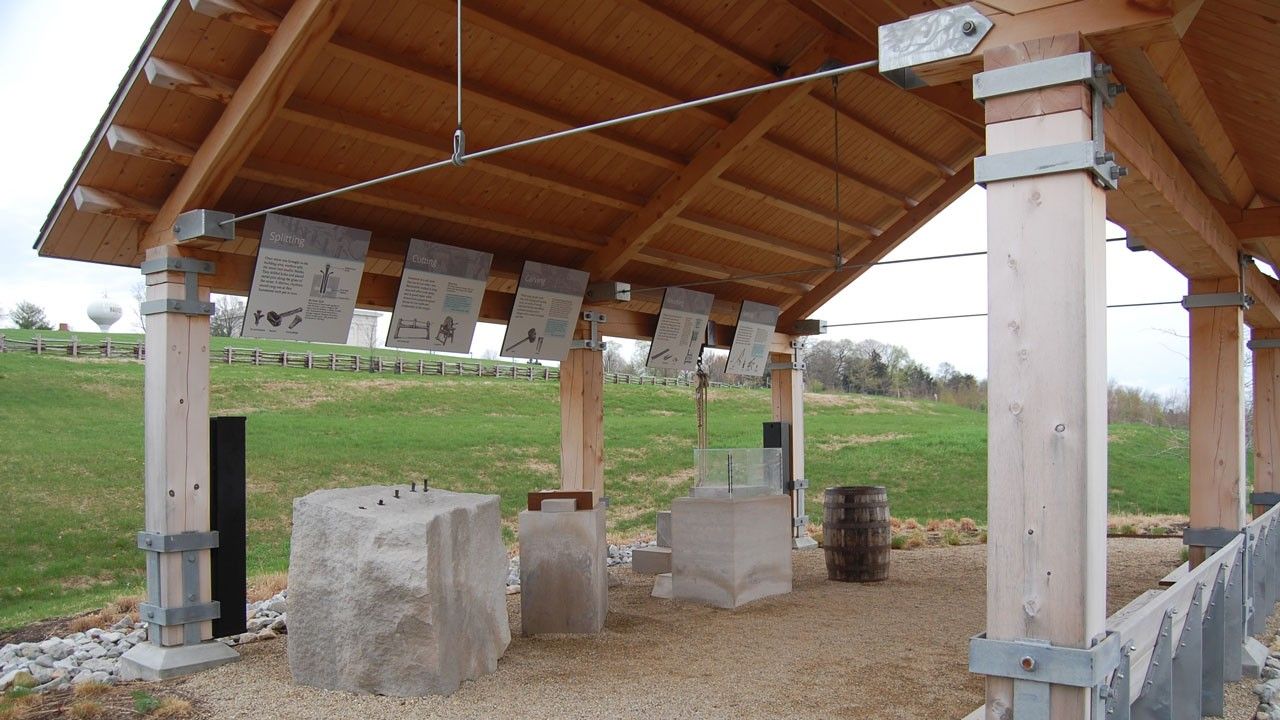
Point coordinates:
[(1126, 529), (933, 525), (1159, 530), (911, 523), (898, 542), (86, 710), (951, 537), (968, 525), (144, 703), (916, 540), (172, 707), (90, 689)]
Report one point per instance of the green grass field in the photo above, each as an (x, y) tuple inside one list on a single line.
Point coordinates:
[(71, 457)]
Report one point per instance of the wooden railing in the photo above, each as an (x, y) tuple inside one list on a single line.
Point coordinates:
[(338, 362)]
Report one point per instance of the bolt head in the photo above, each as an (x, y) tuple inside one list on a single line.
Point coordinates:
[(1028, 663), (969, 27)]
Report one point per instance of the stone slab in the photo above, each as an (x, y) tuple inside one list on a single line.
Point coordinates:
[(664, 528), (564, 575), (153, 663), (559, 505), (662, 586), (804, 542), (407, 598), (1255, 658), (651, 560), (730, 551)]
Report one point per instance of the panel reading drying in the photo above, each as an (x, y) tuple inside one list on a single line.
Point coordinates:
[(306, 280), (438, 304), (682, 326), (546, 311), (749, 354)]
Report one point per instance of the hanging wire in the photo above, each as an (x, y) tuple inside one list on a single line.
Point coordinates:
[(459, 157), (978, 315), (835, 131)]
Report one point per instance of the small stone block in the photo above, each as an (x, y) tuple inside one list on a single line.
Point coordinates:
[(564, 576), (732, 550), (664, 528), (408, 599), (651, 560), (1255, 658), (662, 586), (559, 505)]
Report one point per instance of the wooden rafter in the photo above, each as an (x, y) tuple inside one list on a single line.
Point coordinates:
[(783, 200), (757, 116), (752, 238), (301, 35), (719, 271)]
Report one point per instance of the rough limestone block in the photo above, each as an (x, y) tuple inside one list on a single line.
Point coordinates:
[(662, 586), (664, 528), (651, 560), (564, 576), (406, 598), (730, 551)]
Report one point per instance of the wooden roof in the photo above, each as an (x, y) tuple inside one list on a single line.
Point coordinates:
[(238, 106)]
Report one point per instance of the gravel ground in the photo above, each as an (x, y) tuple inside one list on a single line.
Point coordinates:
[(891, 650)]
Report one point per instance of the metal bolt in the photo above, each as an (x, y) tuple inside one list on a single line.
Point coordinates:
[(380, 502), (1104, 157), (1060, 427), (413, 487), (148, 542), (969, 27), (191, 558), (397, 495), (1028, 663)]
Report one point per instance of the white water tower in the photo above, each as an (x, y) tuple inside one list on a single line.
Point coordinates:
[(105, 313)]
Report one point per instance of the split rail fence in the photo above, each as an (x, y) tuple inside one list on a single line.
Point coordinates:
[(1168, 654), (337, 362)]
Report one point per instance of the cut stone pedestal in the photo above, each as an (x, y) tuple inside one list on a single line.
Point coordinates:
[(662, 586), (406, 598), (727, 552), (154, 663), (564, 577), (651, 560)]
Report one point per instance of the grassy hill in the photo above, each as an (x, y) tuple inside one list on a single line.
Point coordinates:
[(71, 457)]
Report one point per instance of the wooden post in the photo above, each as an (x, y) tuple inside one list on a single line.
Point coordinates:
[(787, 390), (176, 442), (1047, 422), (582, 421), (1266, 417), (1217, 415)]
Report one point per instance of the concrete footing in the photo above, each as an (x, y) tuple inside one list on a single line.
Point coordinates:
[(153, 663), (804, 542), (730, 551), (651, 560), (564, 576), (1255, 658)]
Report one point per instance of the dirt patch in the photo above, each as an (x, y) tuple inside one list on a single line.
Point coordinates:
[(674, 479), (833, 444)]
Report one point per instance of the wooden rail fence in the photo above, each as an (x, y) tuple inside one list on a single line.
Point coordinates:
[(336, 362)]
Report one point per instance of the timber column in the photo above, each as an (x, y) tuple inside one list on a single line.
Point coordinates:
[(1265, 345), (1216, 308), (582, 410), (177, 539), (1047, 417), (786, 383)]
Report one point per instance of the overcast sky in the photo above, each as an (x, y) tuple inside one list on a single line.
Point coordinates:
[(61, 61)]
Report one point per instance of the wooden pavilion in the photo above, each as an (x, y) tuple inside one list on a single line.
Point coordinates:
[(236, 106)]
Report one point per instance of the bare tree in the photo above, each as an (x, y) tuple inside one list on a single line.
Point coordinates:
[(139, 293), (29, 316), (228, 317)]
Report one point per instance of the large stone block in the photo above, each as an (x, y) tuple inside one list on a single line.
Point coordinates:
[(564, 576), (727, 552), (406, 598)]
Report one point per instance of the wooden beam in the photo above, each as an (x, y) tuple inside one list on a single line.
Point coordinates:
[(886, 137), (1047, 389), (847, 171), (693, 32), (757, 116), (302, 34), (582, 422), (782, 200), (752, 238), (106, 202), (786, 390), (901, 229), (1216, 415), (1161, 80), (719, 271), (1256, 223), (1266, 418), (169, 75)]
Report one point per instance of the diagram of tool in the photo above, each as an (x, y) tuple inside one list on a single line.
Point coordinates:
[(275, 318), (412, 329), (662, 354), (532, 337), (257, 317), (324, 284), (444, 335)]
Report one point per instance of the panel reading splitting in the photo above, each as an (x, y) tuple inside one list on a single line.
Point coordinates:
[(749, 354), (438, 304), (682, 326), (305, 281), (545, 314)]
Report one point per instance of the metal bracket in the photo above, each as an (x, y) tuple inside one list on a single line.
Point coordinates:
[(191, 304), (1134, 244), (1264, 344), (1155, 700), (1268, 499), (1091, 155), (1217, 300), (784, 366), (929, 37), (204, 225), (798, 484), (1040, 662), (179, 615), (609, 291), (800, 521), (810, 327), (596, 319), (178, 542), (1215, 537)]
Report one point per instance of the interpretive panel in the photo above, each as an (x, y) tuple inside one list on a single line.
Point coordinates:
[(749, 354), (682, 327), (306, 280), (438, 304), (548, 302)]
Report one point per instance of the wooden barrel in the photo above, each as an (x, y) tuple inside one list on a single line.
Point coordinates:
[(855, 533)]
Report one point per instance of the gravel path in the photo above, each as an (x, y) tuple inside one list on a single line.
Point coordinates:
[(891, 650)]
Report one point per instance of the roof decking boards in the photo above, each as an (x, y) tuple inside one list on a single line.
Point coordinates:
[(238, 106)]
